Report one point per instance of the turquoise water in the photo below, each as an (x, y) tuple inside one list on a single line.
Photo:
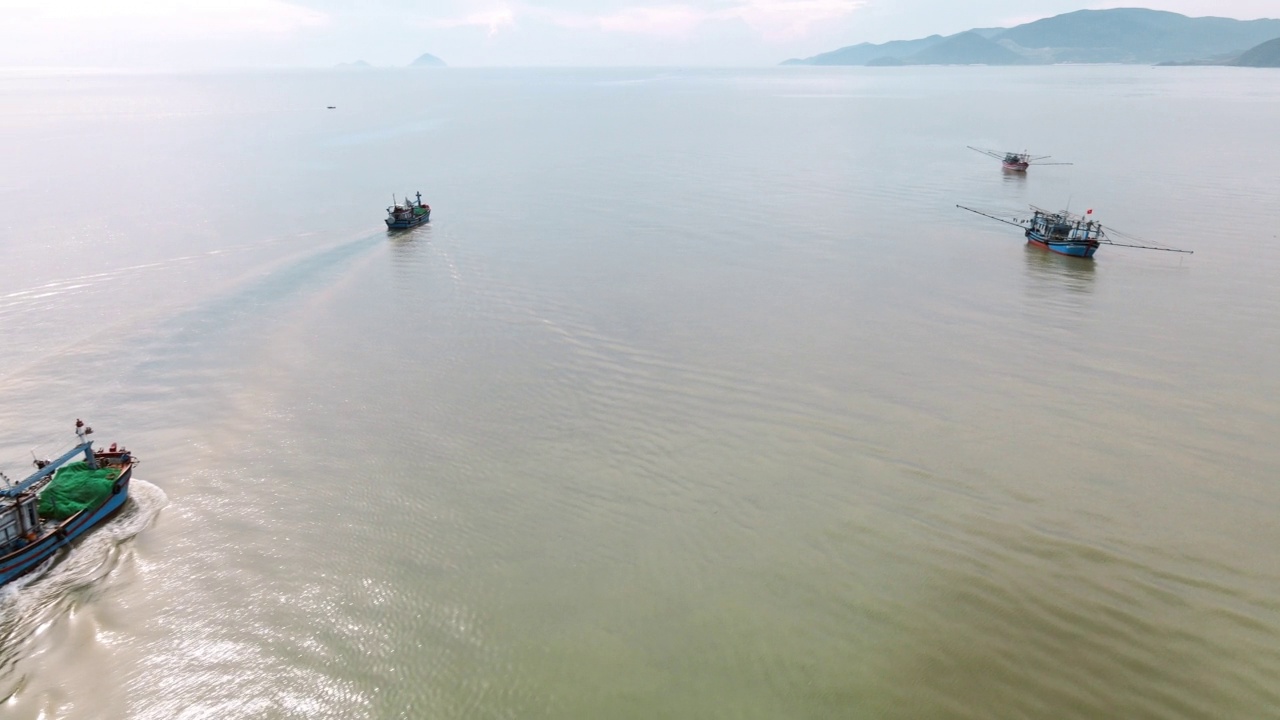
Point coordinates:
[(697, 397)]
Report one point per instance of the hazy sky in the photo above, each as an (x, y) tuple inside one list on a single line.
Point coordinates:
[(236, 33)]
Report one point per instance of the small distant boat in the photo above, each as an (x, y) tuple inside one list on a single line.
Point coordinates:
[(410, 214), (59, 502), (1066, 233), (1016, 161)]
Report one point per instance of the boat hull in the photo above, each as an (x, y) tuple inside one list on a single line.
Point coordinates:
[(1016, 166), (404, 223), (55, 537), (1079, 250)]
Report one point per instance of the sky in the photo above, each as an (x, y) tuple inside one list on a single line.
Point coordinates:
[(210, 34)]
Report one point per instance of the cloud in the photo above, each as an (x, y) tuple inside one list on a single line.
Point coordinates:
[(182, 17), (668, 20), (790, 19), (494, 19), (774, 20)]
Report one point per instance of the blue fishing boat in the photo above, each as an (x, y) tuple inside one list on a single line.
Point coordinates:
[(1064, 233), (62, 500), (407, 215), (1067, 233)]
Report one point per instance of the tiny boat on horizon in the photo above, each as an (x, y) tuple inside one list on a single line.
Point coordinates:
[(59, 502), (407, 215)]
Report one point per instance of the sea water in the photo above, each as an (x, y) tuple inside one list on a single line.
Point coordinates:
[(698, 397)]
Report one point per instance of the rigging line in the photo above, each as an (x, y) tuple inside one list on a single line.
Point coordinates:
[(993, 217), (1125, 235), (1147, 247), (1135, 239)]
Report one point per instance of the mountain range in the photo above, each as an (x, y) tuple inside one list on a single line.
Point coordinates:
[(1125, 35)]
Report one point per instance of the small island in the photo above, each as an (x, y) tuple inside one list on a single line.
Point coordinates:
[(428, 60), (357, 65)]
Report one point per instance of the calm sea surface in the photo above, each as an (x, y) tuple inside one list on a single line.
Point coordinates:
[(697, 398)]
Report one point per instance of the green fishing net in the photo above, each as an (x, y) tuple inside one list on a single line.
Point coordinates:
[(75, 487)]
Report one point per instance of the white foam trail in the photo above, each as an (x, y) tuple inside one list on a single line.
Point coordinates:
[(23, 297), (43, 594)]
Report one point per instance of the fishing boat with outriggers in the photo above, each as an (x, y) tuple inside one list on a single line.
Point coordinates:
[(1067, 233), (62, 500), (407, 215), (1016, 161)]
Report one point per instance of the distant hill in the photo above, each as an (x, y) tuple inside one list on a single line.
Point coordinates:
[(864, 53), (428, 60), (967, 48), (1265, 55), (353, 65), (1140, 36), (1216, 60), (1125, 35)]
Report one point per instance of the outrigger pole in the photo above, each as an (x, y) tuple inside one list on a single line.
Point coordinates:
[(993, 217), (1104, 240)]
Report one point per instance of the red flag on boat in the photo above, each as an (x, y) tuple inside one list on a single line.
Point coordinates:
[(1089, 212)]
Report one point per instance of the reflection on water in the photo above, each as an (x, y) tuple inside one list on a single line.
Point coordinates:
[(1058, 290), (408, 247), (1048, 272), (407, 243), (1014, 176)]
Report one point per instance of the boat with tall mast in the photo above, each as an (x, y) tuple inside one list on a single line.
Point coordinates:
[(409, 214)]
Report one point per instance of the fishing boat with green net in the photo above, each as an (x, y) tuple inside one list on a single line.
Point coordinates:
[(63, 499)]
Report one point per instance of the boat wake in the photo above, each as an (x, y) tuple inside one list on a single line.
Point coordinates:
[(32, 601)]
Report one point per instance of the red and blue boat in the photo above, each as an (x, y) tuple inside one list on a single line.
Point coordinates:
[(62, 500), (1067, 233), (1064, 233)]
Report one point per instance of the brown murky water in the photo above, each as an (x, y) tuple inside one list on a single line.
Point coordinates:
[(697, 398)]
